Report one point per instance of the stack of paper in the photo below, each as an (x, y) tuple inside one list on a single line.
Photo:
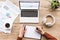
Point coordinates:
[(8, 13)]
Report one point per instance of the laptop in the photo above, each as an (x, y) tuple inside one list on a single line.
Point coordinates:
[(29, 11)]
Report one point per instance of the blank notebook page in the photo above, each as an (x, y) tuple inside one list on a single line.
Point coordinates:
[(31, 33)]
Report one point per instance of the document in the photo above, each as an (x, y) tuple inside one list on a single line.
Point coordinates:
[(8, 13)]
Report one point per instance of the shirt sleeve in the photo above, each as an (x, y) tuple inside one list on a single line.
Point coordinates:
[(49, 37), (19, 38)]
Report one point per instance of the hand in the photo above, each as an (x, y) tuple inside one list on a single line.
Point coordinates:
[(22, 30), (39, 29)]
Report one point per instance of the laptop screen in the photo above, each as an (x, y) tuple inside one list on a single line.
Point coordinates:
[(29, 13)]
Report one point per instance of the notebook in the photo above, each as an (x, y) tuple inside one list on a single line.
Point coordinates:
[(29, 11), (31, 32)]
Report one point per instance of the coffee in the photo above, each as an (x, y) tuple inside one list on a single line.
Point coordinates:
[(7, 25)]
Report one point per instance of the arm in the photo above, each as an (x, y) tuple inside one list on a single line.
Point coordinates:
[(21, 32), (48, 36), (19, 38)]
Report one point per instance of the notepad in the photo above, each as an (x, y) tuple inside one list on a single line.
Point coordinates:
[(31, 33)]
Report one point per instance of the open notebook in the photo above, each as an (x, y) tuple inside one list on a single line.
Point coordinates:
[(31, 33)]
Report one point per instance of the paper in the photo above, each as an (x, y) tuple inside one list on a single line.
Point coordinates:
[(8, 13), (31, 32)]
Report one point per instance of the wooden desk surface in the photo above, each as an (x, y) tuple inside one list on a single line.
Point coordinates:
[(44, 9)]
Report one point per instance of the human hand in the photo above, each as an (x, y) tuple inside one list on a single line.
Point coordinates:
[(39, 29), (22, 30)]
